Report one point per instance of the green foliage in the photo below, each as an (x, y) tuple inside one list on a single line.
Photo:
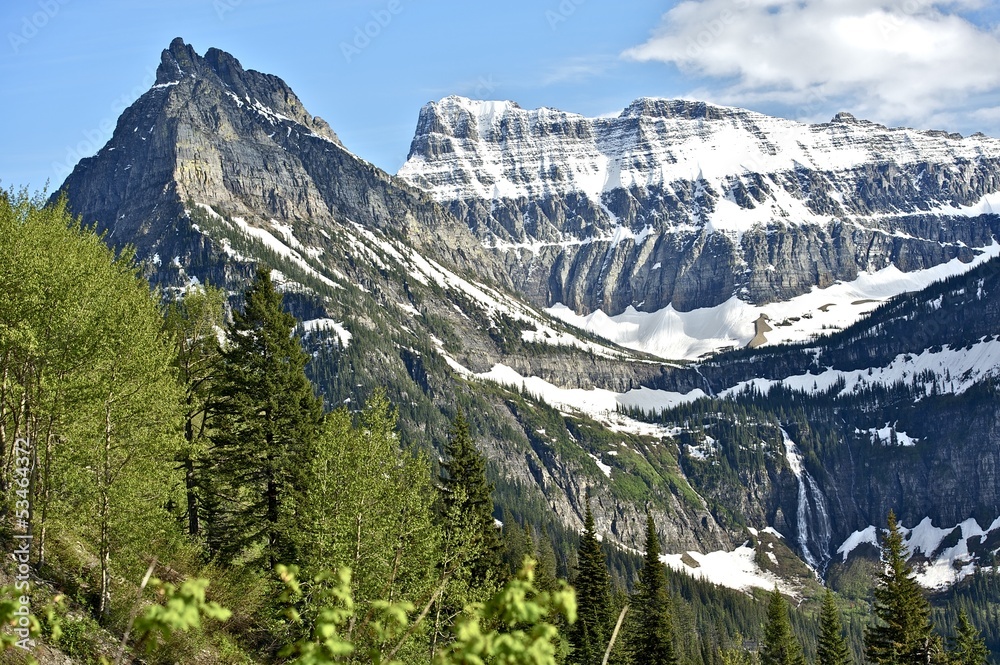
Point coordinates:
[(524, 637), (902, 632), (967, 647), (464, 468), (182, 609), (832, 648), (265, 420), (653, 639), (589, 635), (780, 646), (193, 322)]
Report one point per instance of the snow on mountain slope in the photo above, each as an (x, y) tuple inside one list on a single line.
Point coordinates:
[(467, 149), (941, 556), (668, 333)]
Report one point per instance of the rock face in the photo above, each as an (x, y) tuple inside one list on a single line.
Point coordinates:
[(211, 133), (690, 204), (216, 168)]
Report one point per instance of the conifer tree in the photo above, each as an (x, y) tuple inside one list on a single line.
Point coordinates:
[(194, 321), (968, 646), (464, 467), (589, 635), (780, 647), (266, 417), (653, 640), (902, 632), (832, 648)]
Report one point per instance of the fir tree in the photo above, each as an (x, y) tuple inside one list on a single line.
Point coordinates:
[(832, 648), (780, 647), (193, 322), (653, 641), (902, 632), (967, 647), (465, 468), (266, 418), (589, 635)]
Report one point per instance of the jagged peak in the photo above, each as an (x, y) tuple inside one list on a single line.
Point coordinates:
[(180, 61)]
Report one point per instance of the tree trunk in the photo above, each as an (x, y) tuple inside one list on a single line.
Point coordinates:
[(104, 604)]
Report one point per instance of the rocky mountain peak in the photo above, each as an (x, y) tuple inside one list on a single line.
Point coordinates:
[(180, 62)]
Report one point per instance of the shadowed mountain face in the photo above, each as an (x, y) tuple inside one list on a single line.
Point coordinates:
[(212, 133), (429, 285), (688, 204)]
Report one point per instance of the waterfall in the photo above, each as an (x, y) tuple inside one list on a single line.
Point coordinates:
[(812, 517)]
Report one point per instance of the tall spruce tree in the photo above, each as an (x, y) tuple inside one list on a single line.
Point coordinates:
[(967, 647), (780, 647), (589, 635), (465, 468), (832, 648), (193, 322), (653, 640), (266, 418), (902, 632)]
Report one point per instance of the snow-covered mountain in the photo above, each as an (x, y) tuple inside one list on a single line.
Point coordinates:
[(480, 303), (673, 206)]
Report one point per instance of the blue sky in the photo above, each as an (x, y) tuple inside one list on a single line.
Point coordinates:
[(68, 67)]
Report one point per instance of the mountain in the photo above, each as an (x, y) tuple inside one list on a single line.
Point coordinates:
[(443, 284), (673, 206), (216, 168)]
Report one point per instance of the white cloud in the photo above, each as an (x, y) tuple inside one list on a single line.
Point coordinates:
[(907, 61)]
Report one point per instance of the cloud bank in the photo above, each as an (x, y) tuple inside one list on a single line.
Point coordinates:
[(909, 62)]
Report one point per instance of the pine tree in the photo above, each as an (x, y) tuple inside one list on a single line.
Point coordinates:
[(780, 647), (464, 467), (653, 640), (832, 648), (968, 647), (193, 322), (266, 418), (902, 632), (589, 635)]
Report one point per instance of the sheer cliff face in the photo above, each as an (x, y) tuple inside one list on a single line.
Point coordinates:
[(211, 133), (690, 204)]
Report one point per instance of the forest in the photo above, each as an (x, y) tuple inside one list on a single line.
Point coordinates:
[(175, 491)]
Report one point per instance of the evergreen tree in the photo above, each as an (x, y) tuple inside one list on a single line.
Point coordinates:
[(780, 646), (902, 632), (266, 418), (465, 468), (653, 640), (194, 321), (589, 635), (832, 648), (967, 647)]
